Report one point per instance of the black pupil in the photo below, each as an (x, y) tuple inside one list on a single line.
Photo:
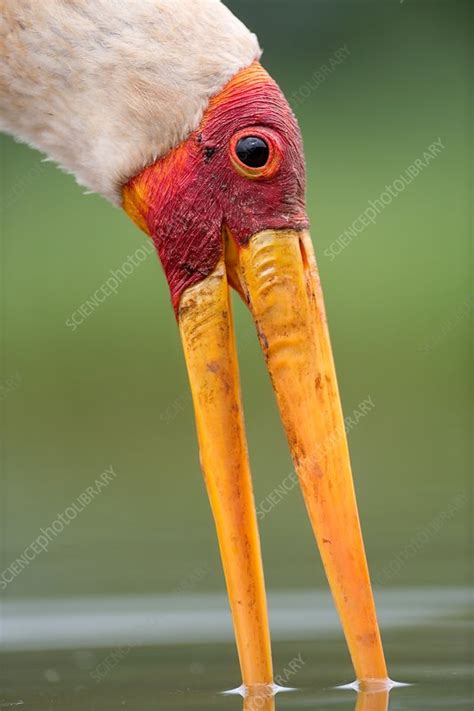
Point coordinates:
[(253, 151)]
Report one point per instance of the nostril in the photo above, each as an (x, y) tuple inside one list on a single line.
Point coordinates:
[(209, 151)]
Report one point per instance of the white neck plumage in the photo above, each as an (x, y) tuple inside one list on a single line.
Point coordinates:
[(105, 87)]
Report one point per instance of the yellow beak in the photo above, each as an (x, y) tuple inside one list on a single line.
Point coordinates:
[(277, 276)]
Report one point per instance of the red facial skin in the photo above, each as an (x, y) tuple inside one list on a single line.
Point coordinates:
[(184, 200)]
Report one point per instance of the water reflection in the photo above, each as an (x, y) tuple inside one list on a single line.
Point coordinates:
[(372, 701), (259, 702), (366, 701)]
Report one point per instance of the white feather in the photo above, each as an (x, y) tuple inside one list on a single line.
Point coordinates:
[(103, 87)]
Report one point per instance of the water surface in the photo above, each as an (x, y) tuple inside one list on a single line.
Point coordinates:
[(102, 654)]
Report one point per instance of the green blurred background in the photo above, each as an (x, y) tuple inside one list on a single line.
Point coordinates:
[(399, 303)]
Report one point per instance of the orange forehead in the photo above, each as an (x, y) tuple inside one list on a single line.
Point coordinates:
[(242, 81), (137, 193)]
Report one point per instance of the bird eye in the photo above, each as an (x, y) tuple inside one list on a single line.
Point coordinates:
[(253, 151), (256, 153)]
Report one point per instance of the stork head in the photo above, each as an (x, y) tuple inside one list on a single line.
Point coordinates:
[(240, 173)]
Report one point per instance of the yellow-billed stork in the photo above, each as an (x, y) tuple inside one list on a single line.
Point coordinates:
[(163, 107)]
